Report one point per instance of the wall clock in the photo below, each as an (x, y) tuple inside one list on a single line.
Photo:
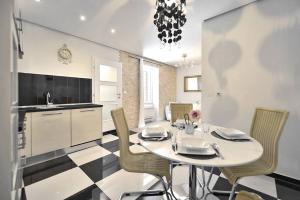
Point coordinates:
[(64, 55)]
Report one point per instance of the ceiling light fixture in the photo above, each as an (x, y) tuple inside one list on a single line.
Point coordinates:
[(82, 18), (37, 0), (185, 62), (169, 19), (113, 31)]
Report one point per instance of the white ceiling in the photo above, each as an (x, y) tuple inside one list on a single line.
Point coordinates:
[(132, 20)]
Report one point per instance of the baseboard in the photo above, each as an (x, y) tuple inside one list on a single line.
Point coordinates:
[(112, 132), (288, 181)]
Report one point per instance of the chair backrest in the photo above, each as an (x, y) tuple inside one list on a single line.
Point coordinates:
[(179, 109), (267, 126), (121, 125)]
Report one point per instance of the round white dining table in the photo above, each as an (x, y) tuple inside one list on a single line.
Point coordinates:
[(234, 153)]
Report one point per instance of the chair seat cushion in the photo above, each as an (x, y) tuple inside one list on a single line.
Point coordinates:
[(243, 195), (253, 169)]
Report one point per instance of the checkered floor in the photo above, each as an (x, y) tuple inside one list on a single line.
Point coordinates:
[(95, 174)]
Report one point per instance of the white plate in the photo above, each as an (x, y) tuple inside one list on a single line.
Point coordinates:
[(234, 137), (208, 152), (194, 144), (230, 132), (154, 130), (151, 135)]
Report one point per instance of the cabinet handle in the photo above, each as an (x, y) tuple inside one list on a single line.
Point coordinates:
[(23, 161), (87, 110), (47, 114), (21, 140)]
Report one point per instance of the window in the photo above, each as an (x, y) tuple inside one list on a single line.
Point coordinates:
[(148, 86)]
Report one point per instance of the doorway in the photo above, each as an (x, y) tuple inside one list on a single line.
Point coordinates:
[(107, 87)]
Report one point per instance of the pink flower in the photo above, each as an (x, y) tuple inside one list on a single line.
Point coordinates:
[(195, 115)]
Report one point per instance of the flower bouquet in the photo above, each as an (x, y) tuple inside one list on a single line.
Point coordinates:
[(191, 118)]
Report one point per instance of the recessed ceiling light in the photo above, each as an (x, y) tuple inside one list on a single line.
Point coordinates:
[(82, 18), (37, 0), (113, 31)]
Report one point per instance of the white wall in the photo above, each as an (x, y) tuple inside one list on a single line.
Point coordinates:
[(41, 46), (252, 56), (187, 97), (6, 7)]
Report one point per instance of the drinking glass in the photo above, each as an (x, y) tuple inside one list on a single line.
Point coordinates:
[(205, 127), (174, 133), (180, 126)]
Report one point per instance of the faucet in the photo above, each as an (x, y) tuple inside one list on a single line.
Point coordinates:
[(48, 97)]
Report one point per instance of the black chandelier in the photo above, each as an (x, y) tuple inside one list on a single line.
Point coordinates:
[(169, 19)]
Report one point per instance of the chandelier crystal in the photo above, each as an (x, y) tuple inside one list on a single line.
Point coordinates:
[(169, 19)]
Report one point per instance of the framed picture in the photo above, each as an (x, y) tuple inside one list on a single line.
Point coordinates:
[(192, 83)]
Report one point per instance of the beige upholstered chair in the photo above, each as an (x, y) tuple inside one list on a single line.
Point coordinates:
[(267, 126), (139, 162), (247, 196), (179, 109)]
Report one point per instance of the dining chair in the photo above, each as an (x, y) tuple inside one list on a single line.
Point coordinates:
[(179, 109), (266, 128), (139, 162), (243, 195)]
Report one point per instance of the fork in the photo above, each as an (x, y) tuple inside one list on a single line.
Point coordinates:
[(216, 148)]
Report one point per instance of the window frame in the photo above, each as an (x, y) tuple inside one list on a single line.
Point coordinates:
[(148, 86)]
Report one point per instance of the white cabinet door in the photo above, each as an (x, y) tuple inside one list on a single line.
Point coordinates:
[(51, 130), (86, 125)]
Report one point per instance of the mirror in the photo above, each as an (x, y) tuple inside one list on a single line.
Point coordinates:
[(192, 83)]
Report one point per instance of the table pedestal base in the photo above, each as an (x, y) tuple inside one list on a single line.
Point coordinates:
[(195, 190), (193, 182)]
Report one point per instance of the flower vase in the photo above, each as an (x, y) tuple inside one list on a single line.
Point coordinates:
[(189, 129)]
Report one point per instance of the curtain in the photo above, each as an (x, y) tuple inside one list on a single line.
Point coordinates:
[(142, 110)]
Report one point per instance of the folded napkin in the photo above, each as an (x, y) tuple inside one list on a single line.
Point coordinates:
[(194, 143), (230, 132), (154, 130)]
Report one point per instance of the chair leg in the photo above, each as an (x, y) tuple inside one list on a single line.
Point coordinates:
[(147, 192), (171, 182), (209, 178), (165, 188), (232, 193)]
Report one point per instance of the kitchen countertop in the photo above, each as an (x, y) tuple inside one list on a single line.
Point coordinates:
[(42, 108)]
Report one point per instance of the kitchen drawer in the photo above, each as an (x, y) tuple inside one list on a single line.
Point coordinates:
[(51, 130), (86, 125)]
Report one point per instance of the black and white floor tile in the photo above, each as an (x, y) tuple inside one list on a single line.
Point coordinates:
[(95, 174)]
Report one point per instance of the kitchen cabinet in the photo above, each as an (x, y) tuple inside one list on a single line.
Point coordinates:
[(50, 130), (86, 125)]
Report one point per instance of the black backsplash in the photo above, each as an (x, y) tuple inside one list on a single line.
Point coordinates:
[(34, 87)]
